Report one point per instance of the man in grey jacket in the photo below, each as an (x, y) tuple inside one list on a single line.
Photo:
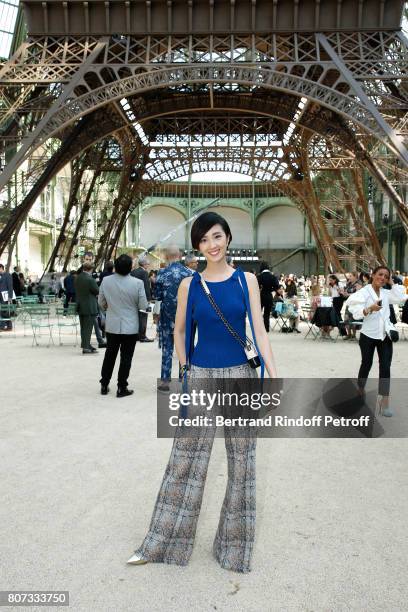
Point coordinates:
[(122, 296)]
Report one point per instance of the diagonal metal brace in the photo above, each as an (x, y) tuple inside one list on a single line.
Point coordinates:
[(34, 139), (398, 146)]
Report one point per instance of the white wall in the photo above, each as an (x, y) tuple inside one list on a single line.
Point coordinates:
[(35, 265), (280, 227), (240, 225), (157, 222)]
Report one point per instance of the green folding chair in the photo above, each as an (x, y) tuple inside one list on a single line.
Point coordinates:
[(40, 319), (6, 314), (67, 319)]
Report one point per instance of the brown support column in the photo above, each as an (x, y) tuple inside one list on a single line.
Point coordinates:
[(101, 254), (326, 242), (365, 158), (85, 208), (375, 243), (128, 201), (77, 171)]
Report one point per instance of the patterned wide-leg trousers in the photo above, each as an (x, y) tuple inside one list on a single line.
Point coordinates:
[(171, 534), (167, 347)]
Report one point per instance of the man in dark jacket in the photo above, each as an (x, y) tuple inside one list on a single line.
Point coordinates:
[(89, 259), (69, 288), (267, 283), (86, 292), (16, 282), (6, 296), (142, 273), (107, 271)]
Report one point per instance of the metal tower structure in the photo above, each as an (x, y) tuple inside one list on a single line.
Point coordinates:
[(308, 94)]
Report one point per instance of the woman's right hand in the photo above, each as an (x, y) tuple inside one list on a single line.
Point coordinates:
[(374, 307)]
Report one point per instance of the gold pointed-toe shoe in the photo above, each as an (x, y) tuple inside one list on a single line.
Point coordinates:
[(136, 559)]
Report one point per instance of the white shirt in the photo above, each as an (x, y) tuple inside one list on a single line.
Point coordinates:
[(374, 323), (334, 290)]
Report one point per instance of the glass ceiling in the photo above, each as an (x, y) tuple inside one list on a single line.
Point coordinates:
[(8, 16)]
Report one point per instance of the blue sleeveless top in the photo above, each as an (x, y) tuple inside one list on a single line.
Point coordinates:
[(216, 347)]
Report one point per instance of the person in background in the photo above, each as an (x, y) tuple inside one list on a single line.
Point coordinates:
[(142, 274), (153, 280), (372, 304), (69, 288), (397, 278), (22, 283), (86, 291), (314, 298), (168, 281), (89, 259), (191, 262), (107, 271), (353, 284), (54, 285), (122, 297), (268, 283), (16, 282), (364, 278), (6, 297), (405, 283), (336, 292), (291, 291), (279, 295)]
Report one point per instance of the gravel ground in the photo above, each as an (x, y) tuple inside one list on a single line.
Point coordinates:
[(80, 474)]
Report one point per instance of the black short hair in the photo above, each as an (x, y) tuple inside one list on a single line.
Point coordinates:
[(264, 266), (123, 265), (205, 222)]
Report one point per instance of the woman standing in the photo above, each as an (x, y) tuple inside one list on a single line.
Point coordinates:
[(353, 284), (217, 354), (372, 304)]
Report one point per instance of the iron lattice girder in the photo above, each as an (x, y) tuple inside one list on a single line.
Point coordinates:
[(319, 78), (150, 107), (170, 163), (192, 127), (76, 107), (369, 55)]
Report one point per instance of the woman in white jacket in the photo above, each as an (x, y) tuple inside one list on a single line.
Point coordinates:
[(372, 303)]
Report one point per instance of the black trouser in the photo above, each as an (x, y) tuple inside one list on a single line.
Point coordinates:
[(266, 304), (338, 305), (384, 350), (86, 324), (126, 343), (142, 324), (69, 297)]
